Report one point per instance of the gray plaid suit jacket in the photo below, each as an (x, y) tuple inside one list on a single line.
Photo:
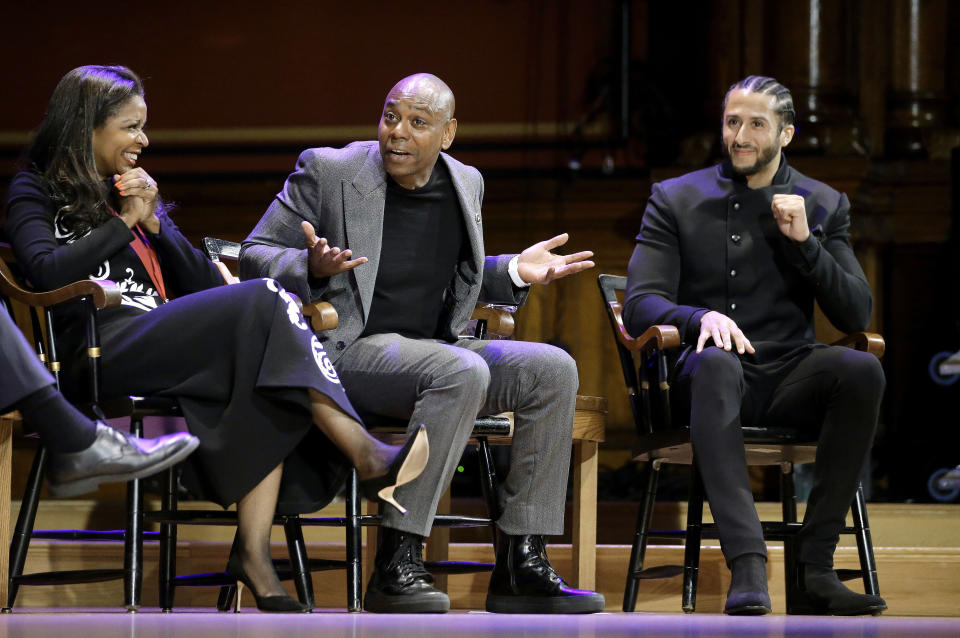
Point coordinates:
[(342, 193)]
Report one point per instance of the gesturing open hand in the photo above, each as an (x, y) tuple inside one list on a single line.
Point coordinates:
[(324, 260), (537, 265)]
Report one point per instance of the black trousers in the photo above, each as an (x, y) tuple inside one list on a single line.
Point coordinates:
[(21, 372), (832, 390)]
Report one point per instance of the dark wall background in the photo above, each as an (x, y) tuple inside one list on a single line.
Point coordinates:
[(571, 109)]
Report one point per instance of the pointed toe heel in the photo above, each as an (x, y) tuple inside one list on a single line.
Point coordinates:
[(386, 495), (406, 466), (281, 603)]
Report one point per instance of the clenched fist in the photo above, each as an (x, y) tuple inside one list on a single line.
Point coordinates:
[(791, 216)]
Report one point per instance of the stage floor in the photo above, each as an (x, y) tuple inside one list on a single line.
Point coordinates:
[(36, 623)]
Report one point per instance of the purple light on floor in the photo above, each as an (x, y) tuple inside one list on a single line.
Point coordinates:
[(204, 623)]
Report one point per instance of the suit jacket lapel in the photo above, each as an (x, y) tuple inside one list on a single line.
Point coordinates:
[(470, 206), (363, 201)]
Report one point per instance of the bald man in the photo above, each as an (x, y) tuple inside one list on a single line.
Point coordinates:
[(390, 233)]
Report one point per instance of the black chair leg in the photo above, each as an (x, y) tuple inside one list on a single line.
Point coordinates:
[(168, 545), (788, 502), (23, 531), (639, 548), (299, 565), (354, 544), (691, 554), (488, 485), (133, 538), (861, 524)]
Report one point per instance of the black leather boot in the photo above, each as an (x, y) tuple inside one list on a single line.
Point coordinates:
[(400, 584), (524, 582), (820, 592), (747, 595)]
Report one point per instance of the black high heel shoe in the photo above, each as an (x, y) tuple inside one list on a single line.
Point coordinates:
[(406, 466), (276, 603)]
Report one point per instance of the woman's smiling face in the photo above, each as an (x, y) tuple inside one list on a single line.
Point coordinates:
[(117, 143)]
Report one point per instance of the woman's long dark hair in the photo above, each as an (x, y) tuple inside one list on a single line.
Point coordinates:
[(62, 150)]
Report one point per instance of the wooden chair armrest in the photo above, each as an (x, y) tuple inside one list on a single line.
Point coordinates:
[(499, 321), (866, 341), (103, 293), (653, 338), (228, 277), (322, 314)]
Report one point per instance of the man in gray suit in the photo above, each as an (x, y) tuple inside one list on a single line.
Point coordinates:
[(390, 233)]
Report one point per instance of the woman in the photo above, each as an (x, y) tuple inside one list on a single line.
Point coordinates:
[(251, 377)]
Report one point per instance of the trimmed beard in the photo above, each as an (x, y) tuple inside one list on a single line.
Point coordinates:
[(764, 157)]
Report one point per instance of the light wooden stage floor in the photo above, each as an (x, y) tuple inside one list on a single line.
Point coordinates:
[(917, 550)]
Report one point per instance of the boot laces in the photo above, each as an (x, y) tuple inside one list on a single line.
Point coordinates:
[(408, 558)]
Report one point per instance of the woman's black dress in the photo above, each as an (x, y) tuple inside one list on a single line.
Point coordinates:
[(238, 358)]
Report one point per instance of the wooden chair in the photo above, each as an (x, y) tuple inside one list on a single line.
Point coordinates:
[(94, 295), (664, 437)]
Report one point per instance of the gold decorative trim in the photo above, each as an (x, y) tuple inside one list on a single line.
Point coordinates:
[(54, 366), (93, 353)]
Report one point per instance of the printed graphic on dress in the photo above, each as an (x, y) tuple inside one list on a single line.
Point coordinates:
[(132, 293), (323, 361), (293, 310)]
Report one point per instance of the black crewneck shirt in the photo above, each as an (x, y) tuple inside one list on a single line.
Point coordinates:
[(423, 236)]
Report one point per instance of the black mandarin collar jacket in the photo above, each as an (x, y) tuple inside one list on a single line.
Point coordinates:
[(708, 242)]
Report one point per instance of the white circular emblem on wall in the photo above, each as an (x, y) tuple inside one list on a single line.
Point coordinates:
[(323, 361)]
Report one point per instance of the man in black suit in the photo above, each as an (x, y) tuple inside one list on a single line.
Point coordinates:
[(734, 256)]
